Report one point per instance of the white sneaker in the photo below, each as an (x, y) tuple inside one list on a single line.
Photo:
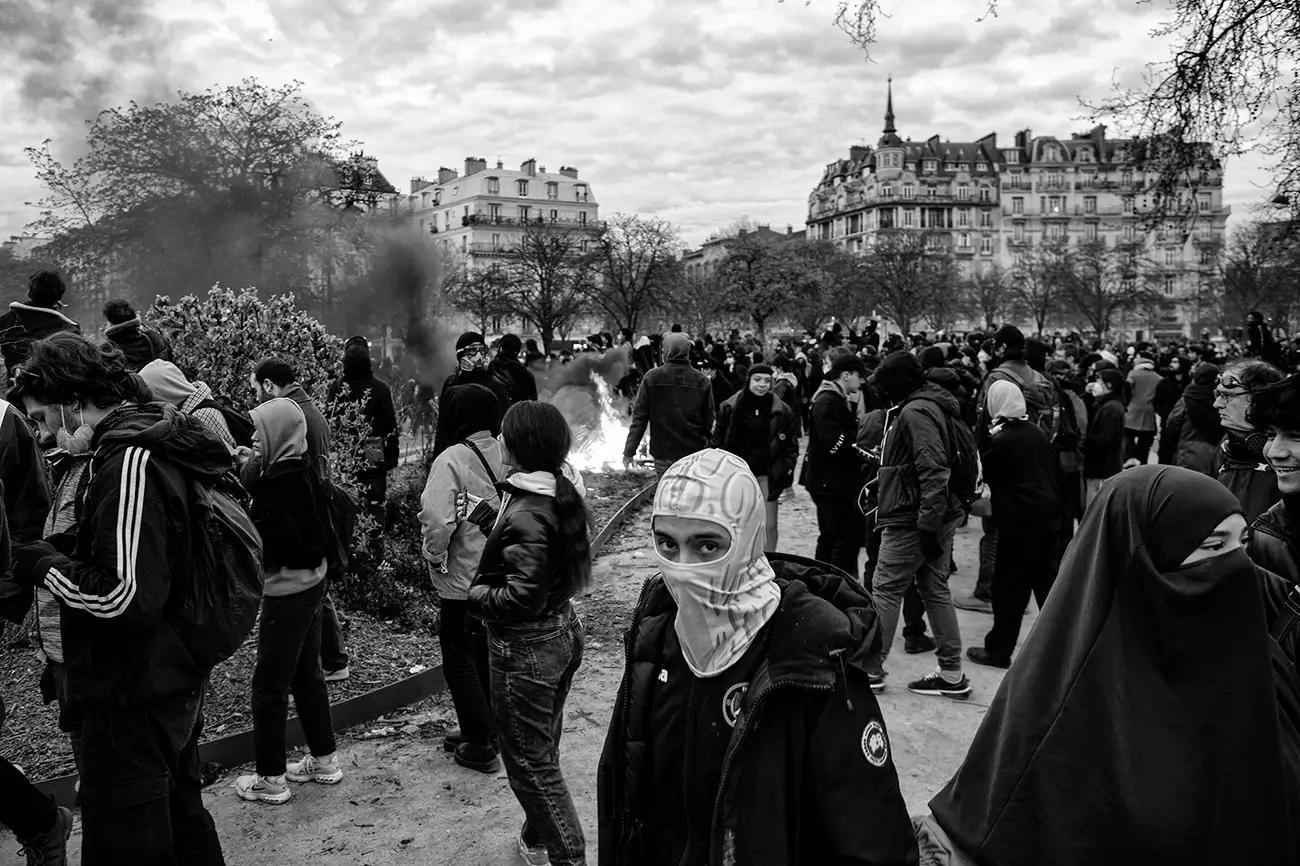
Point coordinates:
[(533, 856), (313, 769), (338, 676), (259, 788)]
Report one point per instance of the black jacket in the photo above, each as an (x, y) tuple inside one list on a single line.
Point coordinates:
[(675, 401), (361, 385), (521, 574), (831, 466), (1275, 547), (115, 575), (782, 441), (23, 325), (291, 513), (140, 344), (808, 777), (1024, 479), (481, 376), (916, 462), (517, 379), (1103, 449), (26, 493)]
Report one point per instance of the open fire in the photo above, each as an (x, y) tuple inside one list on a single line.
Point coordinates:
[(599, 441)]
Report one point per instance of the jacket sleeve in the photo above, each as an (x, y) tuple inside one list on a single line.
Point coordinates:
[(529, 382), (823, 418), (440, 433), (721, 425), (930, 456), (438, 508), (525, 575), (640, 418), (22, 470), (993, 465), (126, 575), (1107, 427), (853, 803), (1172, 431), (707, 413)]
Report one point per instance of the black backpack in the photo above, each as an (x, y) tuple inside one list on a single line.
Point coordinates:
[(239, 424), (215, 612), (964, 463)]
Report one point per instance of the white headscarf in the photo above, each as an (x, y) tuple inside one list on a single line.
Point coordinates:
[(1006, 403), (724, 604)]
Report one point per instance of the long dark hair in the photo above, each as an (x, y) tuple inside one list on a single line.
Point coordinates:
[(538, 439)]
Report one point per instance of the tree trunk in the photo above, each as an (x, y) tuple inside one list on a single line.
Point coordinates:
[(547, 334)]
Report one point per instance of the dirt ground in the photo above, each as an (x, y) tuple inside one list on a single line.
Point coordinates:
[(405, 802)]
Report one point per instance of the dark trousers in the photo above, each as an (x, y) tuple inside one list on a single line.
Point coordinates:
[(1026, 564), (374, 495), (141, 794), (988, 559), (333, 650), (23, 809), (1138, 444), (913, 607), (465, 666), (840, 531), (288, 660), (532, 670)]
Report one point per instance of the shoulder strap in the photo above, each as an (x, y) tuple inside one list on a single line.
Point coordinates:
[(1288, 616), (1012, 375), (486, 467)]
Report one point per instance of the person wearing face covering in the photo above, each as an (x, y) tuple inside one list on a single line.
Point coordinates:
[(471, 369), (1243, 469), (1150, 717), (745, 730), (1192, 433), (1103, 447), (168, 385), (1025, 479), (291, 512)]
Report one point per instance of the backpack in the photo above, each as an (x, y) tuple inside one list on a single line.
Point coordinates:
[(963, 461), (215, 612), (1071, 428), (239, 424), (1040, 399)]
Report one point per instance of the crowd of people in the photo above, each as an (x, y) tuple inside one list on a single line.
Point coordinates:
[(1145, 496)]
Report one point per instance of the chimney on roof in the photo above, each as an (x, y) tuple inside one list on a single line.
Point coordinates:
[(1022, 139), (789, 230), (569, 172), (445, 174), (858, 152), (529, 167), (473, 165), (418, 183)]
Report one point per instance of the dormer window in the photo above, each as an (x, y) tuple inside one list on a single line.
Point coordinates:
[(1013, 156), (950, 166), (437, 197), (911, 166), (523, 186), (494, 186), (455, 192), (981, 166), (963, 166), (580, 192), (930, 165), (1085, 154)]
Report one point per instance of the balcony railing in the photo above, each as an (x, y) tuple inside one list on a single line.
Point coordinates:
[(490, 220)]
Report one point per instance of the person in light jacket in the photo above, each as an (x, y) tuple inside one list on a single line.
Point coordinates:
[(466, 472)]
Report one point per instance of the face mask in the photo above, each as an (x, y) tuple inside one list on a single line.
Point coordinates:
[(77, 442)]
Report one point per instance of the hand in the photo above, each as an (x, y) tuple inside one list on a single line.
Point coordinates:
[(930, 544), (1131, 463), (26, 558), (627, 462), (242, 454)]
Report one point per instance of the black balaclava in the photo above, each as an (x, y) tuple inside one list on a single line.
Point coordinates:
[(899, 376)]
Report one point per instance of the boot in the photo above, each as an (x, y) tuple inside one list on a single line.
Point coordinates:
[(51, 847)]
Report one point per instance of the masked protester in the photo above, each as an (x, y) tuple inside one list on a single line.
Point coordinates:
[(745, 729), (1192, 435), (1145, 719), (1103, 447), (471, 369), (1243, 468)]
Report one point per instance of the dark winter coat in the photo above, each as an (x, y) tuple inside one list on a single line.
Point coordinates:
[(1103, 449), (140, 344), (115, 574), (675, 402), (318, 429), (291, 512), (23, 325), (960, 385), (360, 385), (1191, 437), (1245, 472), (809, 777), (1024, 478), (481, 376), (521, 575), (782, 440), (1275, 547), (517, 379), (26, 494), (831, 466), (915, 462)]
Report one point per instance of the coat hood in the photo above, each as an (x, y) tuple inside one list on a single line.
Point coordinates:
[(164, 429), (677, 348), (936, 394), (168, 385), (945, 376), (130, 327), (281, 429), (29, 313)]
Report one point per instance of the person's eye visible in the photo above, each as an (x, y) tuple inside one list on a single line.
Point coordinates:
[(708, 547)]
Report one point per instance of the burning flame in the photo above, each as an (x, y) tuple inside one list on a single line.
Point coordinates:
[(600, 447)]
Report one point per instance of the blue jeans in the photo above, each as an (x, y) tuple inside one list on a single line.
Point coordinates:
[(901, 563), (532, 666)]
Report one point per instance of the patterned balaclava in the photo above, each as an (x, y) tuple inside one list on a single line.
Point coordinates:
[(724, 604)]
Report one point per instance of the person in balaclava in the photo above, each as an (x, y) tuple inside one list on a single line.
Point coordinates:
[(1149, 717), (917, 517), (725, 636), (471, 369)]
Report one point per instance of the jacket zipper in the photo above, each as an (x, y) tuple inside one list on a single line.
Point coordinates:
[(622, 723)]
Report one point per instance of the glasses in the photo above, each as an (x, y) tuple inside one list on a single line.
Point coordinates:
[(474, 350)]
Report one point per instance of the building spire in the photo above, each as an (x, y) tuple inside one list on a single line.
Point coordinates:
[(889, 108)]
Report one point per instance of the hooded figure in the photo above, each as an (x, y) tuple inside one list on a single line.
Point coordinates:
[(1193, 431), (168, 385), (675, 403), (1146, 720), (472, 369), (723, 636)]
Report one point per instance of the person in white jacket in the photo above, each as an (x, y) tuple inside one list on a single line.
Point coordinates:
[(458, 507)]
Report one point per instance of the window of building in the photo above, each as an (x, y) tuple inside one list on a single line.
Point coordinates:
[(1207, 256), (1128, 234), (1013, 180), (1128, 204), (582, 217), (911, 166), (1055, 231), (1018, 204), (466, 213), (1089, 204), (1171, 256), (1090, 232), (1018, 233), (523, 186), (496, 241), (463, 238), (1055, 204), (455, 192), (909, 217), (580, 191), (1085, 154), (930, 165), (963, 216), (1169, 284), (552, 189), (931, 192), (886, 191), (981, 166), (986, 219), (446, 220), (494, 211), (1203, 203), (963, 192), (909, 190), (950, 166), (1126, 178), (963, 166), (1013, 156), (986, 246), (523, 213), (963, 240), (986, 194), (555, 216), (887, 218), (494, 186), (1055, 178), (422, 226), (1051, 153)]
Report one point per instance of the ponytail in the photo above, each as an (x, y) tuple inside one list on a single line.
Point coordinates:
[(575, 543)]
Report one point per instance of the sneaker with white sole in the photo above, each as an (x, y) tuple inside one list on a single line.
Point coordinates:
[(935, 684), (313, 769), (877, 682), (339, 675), (534, 855), (261, 789)]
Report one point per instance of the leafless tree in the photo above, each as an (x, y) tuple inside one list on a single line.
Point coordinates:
[(1101, 282), (909, 279), (1038, 280), (988, 296), (635, 264), (549, 274)]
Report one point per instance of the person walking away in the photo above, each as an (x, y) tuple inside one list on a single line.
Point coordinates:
[(136, 682), (290, 509), (1156, 628), (465, 473), (169, 385), (1173, 381), (1103, 449), (518, 380), (139, 344), (536, 559), (1024, 478), (918, 516), (1193, 434), (815, 781), (1069, 440), (675, 403), (1140, 414), (832, 469), (1242, 467), (380, 448), (762, 430), (272, 378), (25, 323), (471, 369)]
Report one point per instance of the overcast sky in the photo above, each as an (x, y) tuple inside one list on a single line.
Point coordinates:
[(698, 111)]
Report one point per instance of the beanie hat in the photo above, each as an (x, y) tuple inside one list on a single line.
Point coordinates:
[(1010, 336), (931, 356), (760, 369), (847, 363), (511, 346), (469, 338)]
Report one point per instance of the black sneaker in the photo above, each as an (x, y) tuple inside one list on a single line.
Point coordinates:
[(935, 684), (981, 656), (921, 643), (877, 682), (51, 847), (481, 758), (452, 739)]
